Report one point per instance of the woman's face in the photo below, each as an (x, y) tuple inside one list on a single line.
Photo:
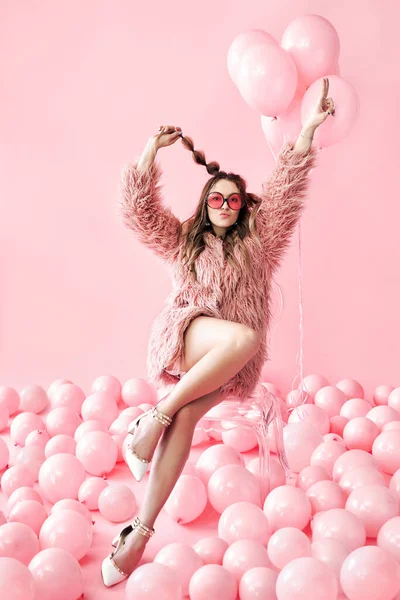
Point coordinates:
[(221, 223)]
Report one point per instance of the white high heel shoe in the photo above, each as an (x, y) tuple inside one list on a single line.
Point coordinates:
[(137, 465), (110, 572)]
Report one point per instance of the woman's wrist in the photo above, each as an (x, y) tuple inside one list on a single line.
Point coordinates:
[(308, 131)]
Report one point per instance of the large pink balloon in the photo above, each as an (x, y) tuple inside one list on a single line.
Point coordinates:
[(365, 475), (329, 398), (326, 454), (370, 573), (325, 495), (361, 433), (86, 426), (33, 398), (211, 550), (355, 407), (338, 424), (287, 506), (286, 544), (309, 413), (10, 398), (259, 582), (60, 477), (31, 457), (230, 484), (332, 553), (351, 460), (347, 106), (187, 500), (57, 574), (16, 477), (351, 388), (23, 424), (243, 555), (69, 530), (70, 395), (29, 512), (215, 457), (182, 559), (60, 443), (137, 390), (55, 385), (382, 415), (153, 581), (38, 437), (312, 383), (23, 493), (339, 524), (4, 416), (267, 79), (373, 505), (243, 520), (213, 582), (276, 472), (16, 582), (100, 406), (389, 537), (314, 45), (98, 453), (90, 491), (241, 438), (382, 393), (394, 399), (310, 475), (70, 504), (241, 44), (18, 541), (62, 420), (386, 451), (117, 503), (300, 440), (306, 579), (109, 384)]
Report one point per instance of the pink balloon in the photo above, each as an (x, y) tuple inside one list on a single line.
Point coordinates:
[(242, 438), (356, 407), (16, 477), (68, 395), (325, 495), (60, 443), (109, 384), (392, 425), (98, 452), (300, 441), (241, 44), (16, 582), (100, 406), (243, 520), (339, 524), (337, 424), (187, 500), (309, 413), (4, 416), (394, 399), (117, 503), (18, 541), (312, 383), (260, 66), (386, 451), (33, 398), (60, 476), (38, 437), (370, 573), (297, 397), (23, 493), (57, 574), (334, 437), (3, 519), (211, 550), (4, 454), (329, 398), (351, 388), (313, 42), (230, 484), (23, 424), (215, 457), (62, 420), (286, 544), (389, 537), (69, 530), (281, 129), (310, 475), (86, 426), (326, 455), (306, 579), (382, 393), (153, 581), (133, 411), (30, 512), (137, 390), (332, 553), (54, 386), (361, 433), (351, 480), (276, 473), (243, 555), (287, 506), (120, 425), (259, 582), (182, 559), (382, 415), (373, 505), (31, 457), (351, 460), (10, 398), (213, 582), (70, 504), (90, 491)]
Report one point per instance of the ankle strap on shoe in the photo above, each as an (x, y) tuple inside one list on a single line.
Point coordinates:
[(161, 418), (141, 528)]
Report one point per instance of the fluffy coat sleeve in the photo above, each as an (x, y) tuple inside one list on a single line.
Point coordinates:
[(141, 207), (282, 200)]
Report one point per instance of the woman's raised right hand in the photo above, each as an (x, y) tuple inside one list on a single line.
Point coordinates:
[(167, 135)]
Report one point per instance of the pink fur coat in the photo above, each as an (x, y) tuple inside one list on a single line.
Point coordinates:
[(219, 291)]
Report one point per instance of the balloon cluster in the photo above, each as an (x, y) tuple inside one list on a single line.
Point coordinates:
[(282, 81), (331, 532)]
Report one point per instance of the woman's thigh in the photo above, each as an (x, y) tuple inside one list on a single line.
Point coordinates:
[(204, 333)]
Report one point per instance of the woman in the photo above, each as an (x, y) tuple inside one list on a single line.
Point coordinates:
[(213, 328)]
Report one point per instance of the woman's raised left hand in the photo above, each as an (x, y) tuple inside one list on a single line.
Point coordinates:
[(324, 107)]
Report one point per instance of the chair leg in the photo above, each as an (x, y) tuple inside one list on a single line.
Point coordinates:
[(263, 459)]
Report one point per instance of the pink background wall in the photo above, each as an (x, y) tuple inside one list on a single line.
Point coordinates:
[(83, 85)]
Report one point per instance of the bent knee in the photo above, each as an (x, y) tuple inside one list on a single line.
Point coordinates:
[(248, 337)]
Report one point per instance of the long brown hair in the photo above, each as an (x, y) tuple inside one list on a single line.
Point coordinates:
[(194, 227)]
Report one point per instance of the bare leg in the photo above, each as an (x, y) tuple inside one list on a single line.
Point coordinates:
[(169, 460)]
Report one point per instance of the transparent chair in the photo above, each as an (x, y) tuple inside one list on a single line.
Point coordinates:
[(257, 412)]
